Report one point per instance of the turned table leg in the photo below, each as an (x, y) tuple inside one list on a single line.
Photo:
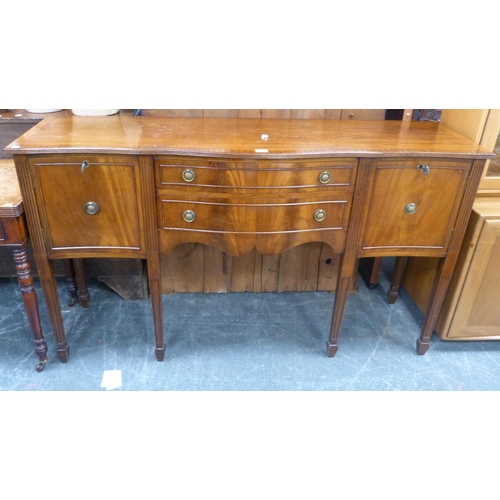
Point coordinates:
[(71, 284), (26, 282)]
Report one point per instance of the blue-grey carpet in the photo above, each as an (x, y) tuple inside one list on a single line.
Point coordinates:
[(240, 341)]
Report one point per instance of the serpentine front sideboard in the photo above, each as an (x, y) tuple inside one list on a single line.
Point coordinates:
[(123, 186)]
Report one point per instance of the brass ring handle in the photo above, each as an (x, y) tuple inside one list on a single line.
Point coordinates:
[(324, 177), (92, 208), (319, 215), (411, 208), (188, 175), (189, 216)]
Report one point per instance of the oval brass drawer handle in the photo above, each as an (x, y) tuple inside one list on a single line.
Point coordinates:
[(411, 208), (188, 175), (92, 208), (189, 216), (324, 177), (319, 215)]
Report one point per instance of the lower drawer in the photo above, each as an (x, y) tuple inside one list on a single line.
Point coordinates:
[(252, 216), (236, 225)]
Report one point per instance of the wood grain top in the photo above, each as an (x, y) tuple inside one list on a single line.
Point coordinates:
[(227, 137), (11, 202)]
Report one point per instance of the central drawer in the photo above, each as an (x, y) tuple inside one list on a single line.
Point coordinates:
[(200, 173), (236, 204)]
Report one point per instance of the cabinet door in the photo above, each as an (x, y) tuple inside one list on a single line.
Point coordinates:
[(477, 315), (89, 202), (412, 205)]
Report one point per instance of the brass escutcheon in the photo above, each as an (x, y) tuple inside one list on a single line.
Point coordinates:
[(411, 208), (189, 216), (85, 164), (425, 168)]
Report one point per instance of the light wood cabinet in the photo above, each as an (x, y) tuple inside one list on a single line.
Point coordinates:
[(472, 311)]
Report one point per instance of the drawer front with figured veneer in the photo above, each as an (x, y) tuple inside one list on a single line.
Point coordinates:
[(89, 202), (413, 204), (236, 224), (252, 215), (238, 174)]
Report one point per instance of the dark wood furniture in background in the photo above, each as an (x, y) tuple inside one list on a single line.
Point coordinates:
[(15, 122), (137, 187)]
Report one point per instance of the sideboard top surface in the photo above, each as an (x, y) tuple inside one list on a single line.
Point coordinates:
[(243, 137)]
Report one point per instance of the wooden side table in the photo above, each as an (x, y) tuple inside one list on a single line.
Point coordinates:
[(14, 235)]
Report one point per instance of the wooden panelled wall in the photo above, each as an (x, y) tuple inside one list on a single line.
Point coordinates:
[(320, 114), (194, 267)]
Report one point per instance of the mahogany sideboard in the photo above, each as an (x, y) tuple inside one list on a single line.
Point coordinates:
[(124, 186)]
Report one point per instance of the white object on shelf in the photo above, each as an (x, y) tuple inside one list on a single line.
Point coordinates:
[(42, 110), (94, 112)]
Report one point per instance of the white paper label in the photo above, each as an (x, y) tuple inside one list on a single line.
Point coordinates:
[(111, 379)]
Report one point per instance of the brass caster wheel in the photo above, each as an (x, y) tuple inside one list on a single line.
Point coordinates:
[(41, 366), (71, 302)]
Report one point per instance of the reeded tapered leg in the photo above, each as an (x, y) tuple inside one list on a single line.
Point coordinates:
[(153, 255), (25, 279), (397, 276), (439, 288), (154, 275), (346, 269), (49, 287)]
